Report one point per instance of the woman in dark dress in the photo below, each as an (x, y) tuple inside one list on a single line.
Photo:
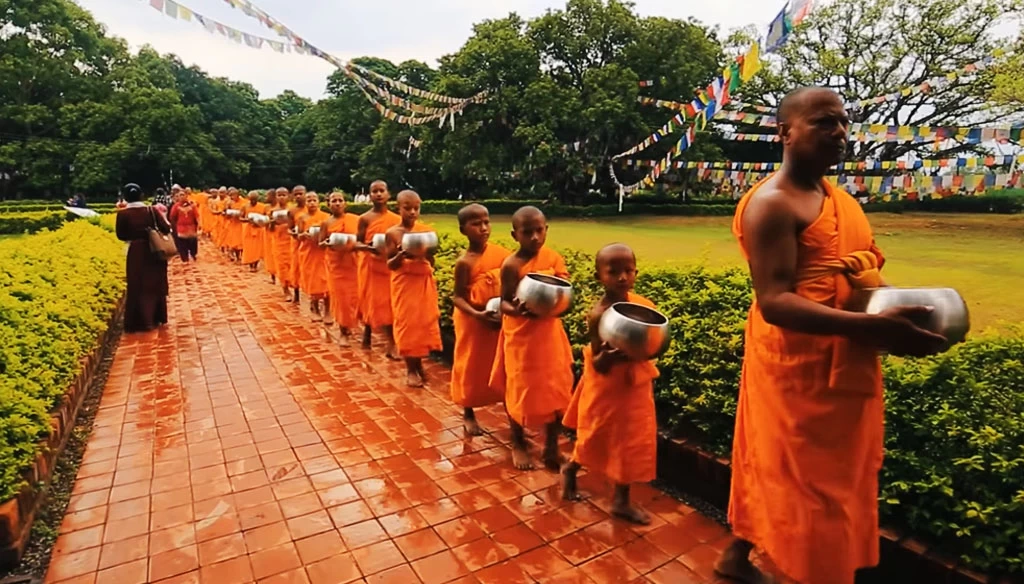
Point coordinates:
[(146, 302)]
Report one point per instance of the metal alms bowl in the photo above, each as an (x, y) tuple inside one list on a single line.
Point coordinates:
[(420, 243), (545, 296), (259, 219), (493, 305), (640, 332), (950, 317), (280, 215), (314, 231), (233, 212), (341, 240), (379, 242)]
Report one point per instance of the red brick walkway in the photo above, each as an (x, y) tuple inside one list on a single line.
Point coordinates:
[(240, 445)]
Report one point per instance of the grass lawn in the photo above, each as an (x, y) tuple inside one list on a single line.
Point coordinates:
[(979, 255)]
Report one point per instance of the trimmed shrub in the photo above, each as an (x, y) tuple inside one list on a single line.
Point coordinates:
[(20, 223), (57, 292)]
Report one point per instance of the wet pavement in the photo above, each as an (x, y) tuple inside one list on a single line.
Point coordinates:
[(242, 444)]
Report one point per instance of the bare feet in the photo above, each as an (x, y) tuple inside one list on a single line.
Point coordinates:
[(287, 296), (414, 380), (521, 458), (367, 338), (553, 460), (328, 320), (735, 565), (631, 514), (472, 428), (569, 490), (392, 352), (344, 341)]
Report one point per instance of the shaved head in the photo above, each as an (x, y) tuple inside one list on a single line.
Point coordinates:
[(408, 195), (470, 212), (797, 101), (524, 214), (611, 251)]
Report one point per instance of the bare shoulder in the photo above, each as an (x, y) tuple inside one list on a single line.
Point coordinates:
[(466, 260)]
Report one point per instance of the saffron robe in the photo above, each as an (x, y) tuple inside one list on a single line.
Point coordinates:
[(217, 207), (414, 306), (376, 289), (342, 277), (533, 366), (476, 343), (281, 246), (614, 417), (202, 202), (269, 259), (809, 421), (313, 270), (233, 238), (296, 260), (252, 235)]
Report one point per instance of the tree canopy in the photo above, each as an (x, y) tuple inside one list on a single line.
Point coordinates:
[(79, 112)]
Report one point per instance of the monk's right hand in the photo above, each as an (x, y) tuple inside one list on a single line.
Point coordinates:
[(899, 334)]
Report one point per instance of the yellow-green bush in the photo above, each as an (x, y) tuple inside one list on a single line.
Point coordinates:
[(57, 291), (30, 222), (954, 472)]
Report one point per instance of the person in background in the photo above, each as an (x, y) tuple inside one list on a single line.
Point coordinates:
[(161, 202), (77, 201), (184, 221), (146, 296)]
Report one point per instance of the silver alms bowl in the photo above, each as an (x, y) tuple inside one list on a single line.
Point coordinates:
[(419, 244), (493, 305), (950, 317), (545, 296), (640, 332), (341, 241), (379, 242)]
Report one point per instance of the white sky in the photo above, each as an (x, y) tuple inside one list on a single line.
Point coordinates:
[(392, 29)]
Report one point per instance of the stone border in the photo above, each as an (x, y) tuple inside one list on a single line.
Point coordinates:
[(903, 559), (17, 514)]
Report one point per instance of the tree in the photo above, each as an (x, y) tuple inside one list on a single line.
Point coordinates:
[(1009, 78), (868, 48)]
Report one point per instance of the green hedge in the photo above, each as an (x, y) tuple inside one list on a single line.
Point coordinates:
[(955, 423), (57, 291), (6, 209), (19, 223)]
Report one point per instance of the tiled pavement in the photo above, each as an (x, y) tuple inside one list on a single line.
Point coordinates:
[(240, 444)]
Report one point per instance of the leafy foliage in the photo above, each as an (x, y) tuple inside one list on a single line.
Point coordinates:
[(30, 222), (57, 291)]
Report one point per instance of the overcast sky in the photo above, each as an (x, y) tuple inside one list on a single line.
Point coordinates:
[(392, 29)]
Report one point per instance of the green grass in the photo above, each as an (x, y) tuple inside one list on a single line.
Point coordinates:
[(979, 255)]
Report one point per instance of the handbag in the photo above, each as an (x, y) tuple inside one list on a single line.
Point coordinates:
[(160, 243)]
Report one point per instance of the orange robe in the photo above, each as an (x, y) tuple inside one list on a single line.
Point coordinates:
[(476, 343), (809, 421), (201, 200), (281, 246), (296, 259), (217, 207), (233, 238), (376, 288), (252, 235), (614, 417), (314, 270), (533, 366), (267, 245), (342, 285), (414, 306)]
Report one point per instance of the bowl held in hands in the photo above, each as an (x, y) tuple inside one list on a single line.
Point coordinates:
[(950, 317), (280, 215), (341, 241), (493, 305), (314, 231), (379, 242), (640, 332), (419, 244), (233, 213), (259, 219), (545, 296)]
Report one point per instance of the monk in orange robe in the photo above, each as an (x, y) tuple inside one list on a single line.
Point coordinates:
[(205, 218), (533, 366), (269, 259), (342, 284), (612, 408), (217, 208), (294, 217), (252, 235), (413, 293), (809, 427), (234, 238), (477, 280), (281, 241), (311, 255), (375, 277)]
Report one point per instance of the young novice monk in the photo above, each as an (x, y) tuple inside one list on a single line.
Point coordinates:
[(534, 360), (613, 407), (269, 260), (375, 277), (252, 235), (295, 215), (413, 293), (342, 284), (281, 242), (477, 280), (235, 239), (311, 254)]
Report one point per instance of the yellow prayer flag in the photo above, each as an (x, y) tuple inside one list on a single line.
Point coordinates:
[(751, 63), (184, 13)]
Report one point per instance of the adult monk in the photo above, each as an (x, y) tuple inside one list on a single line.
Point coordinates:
[(413, 293), (252, 234), (477, 280), (281, 240), (533, 367), (375, 278), (809, 430), (234, 237), (267, 241), (311, 255), (340, 259), (295, 215)]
